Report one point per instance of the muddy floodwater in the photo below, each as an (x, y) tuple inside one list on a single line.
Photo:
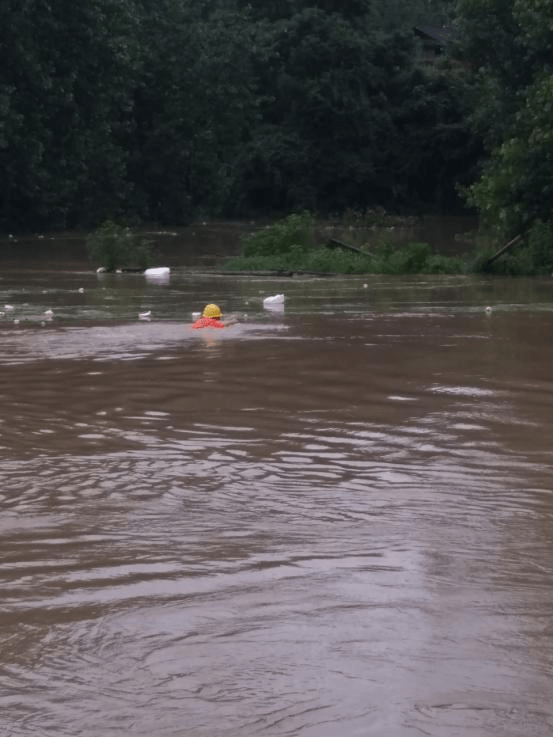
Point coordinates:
[(333, 519)]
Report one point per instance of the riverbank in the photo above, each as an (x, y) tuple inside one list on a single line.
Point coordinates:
[(209, 243)]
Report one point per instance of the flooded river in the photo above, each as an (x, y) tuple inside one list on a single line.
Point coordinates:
[(333, 519)]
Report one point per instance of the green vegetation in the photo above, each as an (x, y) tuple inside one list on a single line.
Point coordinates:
[(114, 247), (291, 245), (292, 235), (532, 257), (508, 47), (165, 112), (294, 245), (417, 258)]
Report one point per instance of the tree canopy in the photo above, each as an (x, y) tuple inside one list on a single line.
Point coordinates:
[(508, 45), (159, 112)]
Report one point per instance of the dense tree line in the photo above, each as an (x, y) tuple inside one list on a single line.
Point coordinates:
[(508, 45), (161, 111)]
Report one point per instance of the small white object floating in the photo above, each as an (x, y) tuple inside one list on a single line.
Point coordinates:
[(101, 270), (158, 271), (8, 307), (274, 302), (196, 315), (488, 310), (144, 315), (81, 290), (49, 314)]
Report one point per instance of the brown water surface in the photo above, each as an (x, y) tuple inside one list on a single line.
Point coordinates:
[(334, 519)]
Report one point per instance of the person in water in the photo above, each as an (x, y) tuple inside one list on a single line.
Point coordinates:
[(211, 318)]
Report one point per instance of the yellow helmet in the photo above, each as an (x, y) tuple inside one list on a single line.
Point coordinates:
[(212, 311)]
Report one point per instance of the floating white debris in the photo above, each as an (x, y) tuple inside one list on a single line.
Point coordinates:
[(16, 322), (8, 307), (158, 271), (49, 313), (489, 310), (274, 303), (81, 290), (196, 315), (144, 315), (365, 286), (101, 270), (158, 275)]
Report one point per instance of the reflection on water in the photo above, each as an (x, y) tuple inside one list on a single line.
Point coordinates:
[(332, 520)]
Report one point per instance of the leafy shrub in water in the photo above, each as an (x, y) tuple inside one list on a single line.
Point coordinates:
[(409, 260), (115, 247), (294, 232), (336, 261), (540, 245), (479, 261), (414, 259), (533, 257), (256, 263), (320, 260), (438, 264), (288, 245)]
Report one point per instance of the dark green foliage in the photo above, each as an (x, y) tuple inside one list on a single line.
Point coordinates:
[(533, 257), (114, 247), (289, 245), (194, 108), (66, 73), (316, 261), (540, 245), (350, 121), (294, 232), (417, 258), (163, 111), (508, 45), (409, 260)]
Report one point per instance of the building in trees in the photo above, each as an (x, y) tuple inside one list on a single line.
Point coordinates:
[(433, 40)]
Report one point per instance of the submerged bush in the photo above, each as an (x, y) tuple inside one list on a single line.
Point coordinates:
[(116, 247), (439, 264), (417, 258), (291, 235), (532, 257), (337, 261), (540, 245), (288, 245), (409, 260)]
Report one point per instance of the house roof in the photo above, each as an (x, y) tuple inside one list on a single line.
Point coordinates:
[(440, 34)]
